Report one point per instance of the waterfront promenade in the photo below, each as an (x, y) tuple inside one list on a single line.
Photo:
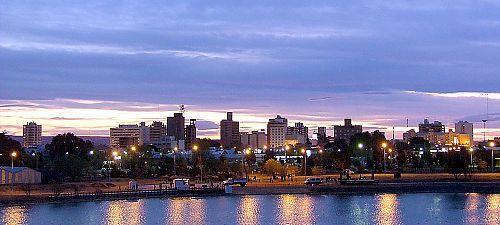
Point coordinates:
[(262, 185)]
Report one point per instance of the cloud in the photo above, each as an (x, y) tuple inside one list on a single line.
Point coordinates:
[(492, 96), (234, 54)]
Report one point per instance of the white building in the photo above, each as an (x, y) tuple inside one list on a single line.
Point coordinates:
[(124, 136), (32, 135), (254, 139), (276, 132)]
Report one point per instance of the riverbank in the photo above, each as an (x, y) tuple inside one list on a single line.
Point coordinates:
[(107, 196), (381, 188), (486, 183)]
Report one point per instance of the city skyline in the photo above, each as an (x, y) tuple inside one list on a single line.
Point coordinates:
[(376, 62)]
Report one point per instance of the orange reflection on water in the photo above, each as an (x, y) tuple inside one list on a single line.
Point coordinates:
[(471, 208), (125, 212), (387, 209), (493, 209), (186, 211), (14, 215), (248, 211), (295, 209)]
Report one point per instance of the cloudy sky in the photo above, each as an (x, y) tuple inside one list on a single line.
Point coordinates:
[(85, 67)]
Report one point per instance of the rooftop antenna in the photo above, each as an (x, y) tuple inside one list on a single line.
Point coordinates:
[(393, 135), (486, 119), (182, 109)]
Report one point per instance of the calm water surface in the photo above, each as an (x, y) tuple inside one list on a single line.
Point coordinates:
[(266, 209)]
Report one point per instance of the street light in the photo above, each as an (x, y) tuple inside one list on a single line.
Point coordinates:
[(286, 165), (384, 145), (175, 167), (13, 155), (195, 148), (134, 148), (244, 152), (471, 150), (492, 144), (361, 146), (305, 162)]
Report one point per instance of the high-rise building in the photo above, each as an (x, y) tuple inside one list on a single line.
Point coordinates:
[(229, 132), (299, 133), (124, 136), (144, 134), (156, 131), (191, 133), (276, 132), (175, 126), (254, 139), (321, 131), (32, 135), (408, 135), (435, 127), (347, 130), (464, 127)]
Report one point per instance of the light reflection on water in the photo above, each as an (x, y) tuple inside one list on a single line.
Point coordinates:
[(387, 210), (295, 209), (384, 209), (14, 215), (249, 210), (122, 212)]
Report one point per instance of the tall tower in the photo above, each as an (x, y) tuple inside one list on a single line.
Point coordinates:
[(175, 126), (229, 132), (32, 135), (191, 134)]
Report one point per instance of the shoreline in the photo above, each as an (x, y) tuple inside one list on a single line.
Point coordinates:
[(381, 188)]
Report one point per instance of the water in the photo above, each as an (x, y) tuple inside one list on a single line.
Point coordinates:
[(268, 209)]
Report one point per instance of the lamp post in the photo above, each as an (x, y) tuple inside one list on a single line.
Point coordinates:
[(305, 162), (384, 145), (286, 161), (195, 148), (471, 150), (13, 155), (175, 165), (361, 147), (243, 153), (492, 144)]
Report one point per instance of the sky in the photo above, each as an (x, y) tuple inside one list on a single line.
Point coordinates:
[(86, 66)]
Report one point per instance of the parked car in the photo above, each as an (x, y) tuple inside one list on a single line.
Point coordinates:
[(313, 181)]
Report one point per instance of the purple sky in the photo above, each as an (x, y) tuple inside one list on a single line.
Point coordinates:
[(84, 67)]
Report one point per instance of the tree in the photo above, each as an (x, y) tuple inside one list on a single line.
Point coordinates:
[(68, 143), (457, 163), (69, 158), (7, 146), (271, 167)]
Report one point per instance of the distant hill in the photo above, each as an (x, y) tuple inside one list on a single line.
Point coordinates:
[(97, 140)]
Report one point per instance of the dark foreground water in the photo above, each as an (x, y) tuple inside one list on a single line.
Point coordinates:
[(268, 209)]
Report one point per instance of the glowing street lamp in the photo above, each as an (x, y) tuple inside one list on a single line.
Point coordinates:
[(13, 155), (471, 150), (384, 145), (175, 166), (133, 148), (195, 148), (492, 144), (287, 147), (305, 161)]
